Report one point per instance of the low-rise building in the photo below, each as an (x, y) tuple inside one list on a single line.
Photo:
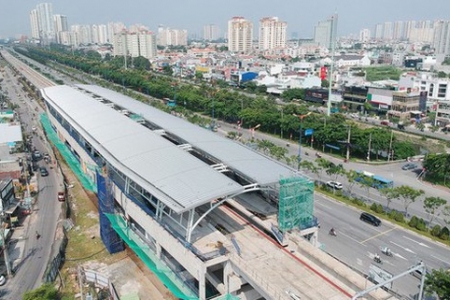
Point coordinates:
[(405, 105), (354, 97)]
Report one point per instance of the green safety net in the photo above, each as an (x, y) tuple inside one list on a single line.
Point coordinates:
[(296, 203), (68, 156), (164, 273), (227, 297)]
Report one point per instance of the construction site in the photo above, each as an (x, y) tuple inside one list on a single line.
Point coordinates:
[(211, 218)]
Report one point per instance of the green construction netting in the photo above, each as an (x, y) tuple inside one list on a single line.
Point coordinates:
[(296, 203), (70, 159), (167, 276), (227, 297)]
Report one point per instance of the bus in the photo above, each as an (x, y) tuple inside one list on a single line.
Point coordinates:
[(377, 181)]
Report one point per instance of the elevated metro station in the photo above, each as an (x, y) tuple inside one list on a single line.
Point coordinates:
[(210, 217)]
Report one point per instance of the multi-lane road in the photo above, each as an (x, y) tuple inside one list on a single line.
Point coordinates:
[(36, 252), (357, 242)]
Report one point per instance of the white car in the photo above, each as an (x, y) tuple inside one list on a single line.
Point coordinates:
[(335, 185), (2, 279)]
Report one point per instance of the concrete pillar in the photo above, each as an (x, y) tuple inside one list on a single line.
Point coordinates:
[(158, 250), (226, 276), (202, 284)]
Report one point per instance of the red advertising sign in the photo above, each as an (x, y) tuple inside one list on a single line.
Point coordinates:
[(323, 73)]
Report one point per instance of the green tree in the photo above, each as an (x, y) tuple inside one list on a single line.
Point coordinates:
[(446, 213), (44, 292), (390, 194), (290, 94), (351, 178), (438, 281), (322, 164), (366, 183), (335, 170), (307, 165), (198, 75), (432, 205), (441, 74), (408, 195), (167, 70), (141, 63)]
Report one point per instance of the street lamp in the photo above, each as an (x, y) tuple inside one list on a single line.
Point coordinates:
[(301, 117)]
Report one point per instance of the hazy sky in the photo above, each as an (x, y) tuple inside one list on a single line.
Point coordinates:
[(301, 16)]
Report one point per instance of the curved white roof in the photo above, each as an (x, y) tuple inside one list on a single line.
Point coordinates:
[(176, 177), (255, 166)]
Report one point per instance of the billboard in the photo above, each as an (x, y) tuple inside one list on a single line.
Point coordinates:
[(323, 73)]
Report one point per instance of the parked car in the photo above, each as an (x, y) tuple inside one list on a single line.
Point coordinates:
[(43, 171), (409, 166), (371, 219), (385, 123), (335, 185)]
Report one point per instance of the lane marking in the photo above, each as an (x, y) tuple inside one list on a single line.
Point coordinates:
[(353, 239), (404, 248), (448, 263), (420, 243), (359, 261), (398, 255), (377, 235)]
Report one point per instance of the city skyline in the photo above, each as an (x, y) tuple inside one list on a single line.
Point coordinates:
[(192, 16)]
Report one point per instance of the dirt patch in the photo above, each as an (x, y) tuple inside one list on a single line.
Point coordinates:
[(92, 214), (93, 231)]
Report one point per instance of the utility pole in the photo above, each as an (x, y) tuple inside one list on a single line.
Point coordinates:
[(301, 117), (348, 143), (281, 127), (390, 145), (333, 45), (324, 126), (370, 145)]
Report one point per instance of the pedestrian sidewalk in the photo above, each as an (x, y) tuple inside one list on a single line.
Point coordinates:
[(17, 243)]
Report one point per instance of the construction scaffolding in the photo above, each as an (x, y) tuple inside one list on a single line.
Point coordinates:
[(296, 203), (68, 156), (109, 236)]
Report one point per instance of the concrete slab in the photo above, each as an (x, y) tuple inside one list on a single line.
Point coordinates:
[(129, 279)]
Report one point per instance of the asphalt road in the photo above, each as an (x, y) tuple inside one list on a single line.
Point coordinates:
[(36, 253), (357, 242), (391, 170)]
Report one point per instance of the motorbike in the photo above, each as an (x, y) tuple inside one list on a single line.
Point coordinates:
[(377, 260), (386, 251), (332, 232)]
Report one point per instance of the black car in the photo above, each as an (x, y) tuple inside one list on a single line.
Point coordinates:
[(43, 171), (371, 219)]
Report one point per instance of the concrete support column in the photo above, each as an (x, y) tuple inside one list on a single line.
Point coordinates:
[(158, 250), (202, 284), (315, 239), (227, 271)]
